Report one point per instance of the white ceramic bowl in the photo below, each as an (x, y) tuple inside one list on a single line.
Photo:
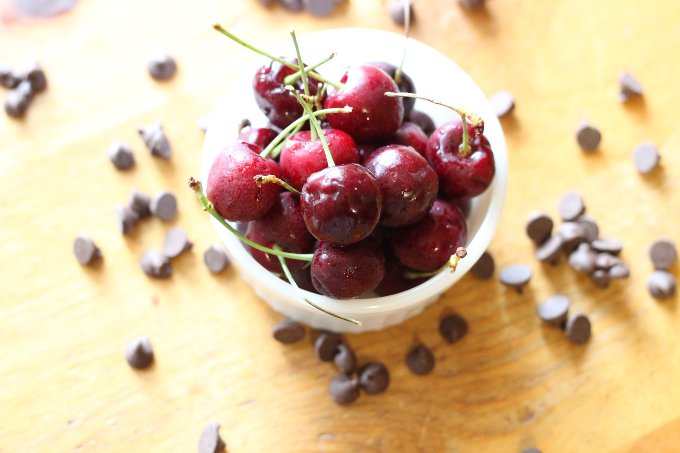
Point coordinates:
[(435, 76)]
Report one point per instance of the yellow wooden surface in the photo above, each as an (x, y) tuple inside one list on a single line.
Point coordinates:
[(511, 383)]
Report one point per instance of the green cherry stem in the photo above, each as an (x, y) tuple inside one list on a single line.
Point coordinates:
[(272, 179), (451, 265), (276, 152), (302, 69), (407, 32), (210, 209), (292, 282), (292, 78), (315, 124), (238, 40), (465, 147)]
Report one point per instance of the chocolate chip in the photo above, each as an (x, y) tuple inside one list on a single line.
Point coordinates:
[(320, 8), (583, 259), (121, 156), (139, 353), (550, 251), (628, 87), (374, 378), (611, 246), (588, 137), (397, 13), (646, 157), (472, 4), (539, 227), (571, 206), (288, 331), (484, 268), (503, 103), (210, 440), (162, 67), (577, 329), (420, 360), (606, 261), (590, 227), (345, 360), (531, 450), (18, 99), (8, 78), (292, 5), (216, 259), (661, 284), (164, 206), (423, 120), (554, 310), (516, 276), (155, 264), (572, 234), (127, 219), (36, 77), (155, 140), (453, 328), (663, 254), (140, 203), (344, 389), (326, 345), (85, 250), (266, 2), (619, 271), (175, 243), (600, 277)]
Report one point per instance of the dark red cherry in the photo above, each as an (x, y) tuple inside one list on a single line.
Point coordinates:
[(277, 103), (283, 224), (460, 175), (374, 116), (423, 120), (408, 184), (427, 245), (231, 186), (301, 156), (365, 151), (341, 204), (394, 282), (260, 136), (405, 85), (410, 134), (270, 262), (349, 271), (303, 278)]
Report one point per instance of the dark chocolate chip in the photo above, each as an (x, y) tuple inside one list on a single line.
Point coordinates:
[(484, 268), (121, 156), (374, 378), (661, 284), (531, 450), (550, 251), (140, 203), (583, 259), (577, 329), (588, 137), (18, 100), (589, 226), (503, 103), (539, 227), (572, 235), (8, 78), (288, 331), (164, 206), (646, 157), (127, 219), (423, 120), (292, 5), (619, 271), (344, 389), (326, 345), (600, 277), (139, 353), (420, 360), (36, 77), (606, 261), (320, 8), (554, 310), (155, 264), (210, 440), (266, 2), (571, 206), (345, 360), (611, 246), (85, 250), (216, 259), (162, 67), (628, 87), (472, 4), (155, 140), (453, 328), (397, 13), (663, 254), (516, 276), (175, 243)]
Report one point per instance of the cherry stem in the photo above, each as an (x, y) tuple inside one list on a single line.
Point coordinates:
[(407, 32), (315, 124), (452, 265), (210, 209), (276, 152), (465, 148), (238, 40), (260, 180), (303, 72), (292, 78), (297, 124), (243, 124), (293, 283)]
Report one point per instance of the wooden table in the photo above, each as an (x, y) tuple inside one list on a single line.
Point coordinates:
[(511, 383)]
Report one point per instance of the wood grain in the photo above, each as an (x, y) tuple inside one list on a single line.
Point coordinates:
[(511, 383)]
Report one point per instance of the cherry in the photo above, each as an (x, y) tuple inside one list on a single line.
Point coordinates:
[(365, 151), (408, 184), (303, 278), (374, 116), (394, 282), (269, 261), (341, 204), (423, 120), (303, 155), (462, 203), (260, 136), (231, 186), (465, 170), (347, 272), (430, 243), (405, 85), (412, 135), (283, 224)]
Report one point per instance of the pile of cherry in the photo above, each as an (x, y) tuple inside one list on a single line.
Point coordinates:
[(354, 188)]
